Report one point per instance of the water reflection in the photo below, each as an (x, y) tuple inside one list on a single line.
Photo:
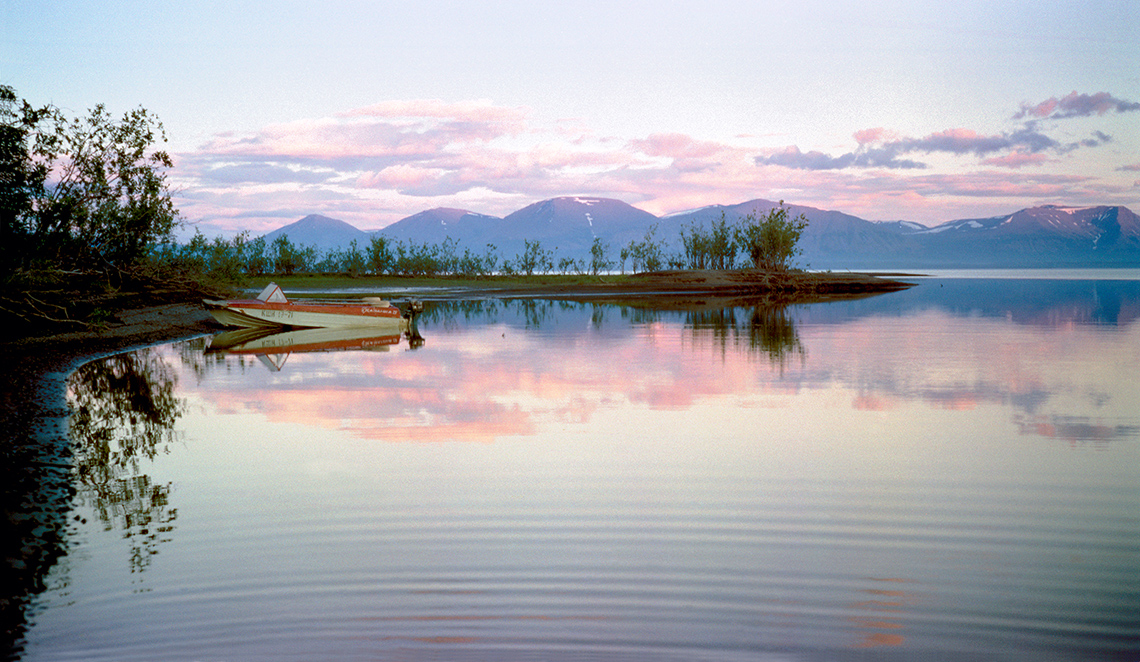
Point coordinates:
[(753, 326), (569, 360), (768, 329), (718, 480), (123, 412), (273, 346)]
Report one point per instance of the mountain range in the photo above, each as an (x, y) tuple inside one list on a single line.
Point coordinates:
[(1045, 236)]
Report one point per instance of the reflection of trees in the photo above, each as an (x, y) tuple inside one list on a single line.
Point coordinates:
[(763, 328), (533, 313), (446, 313), (767, 329), (123, 411), (771, 330)]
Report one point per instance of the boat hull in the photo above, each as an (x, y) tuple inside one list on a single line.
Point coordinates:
[(261, 314)]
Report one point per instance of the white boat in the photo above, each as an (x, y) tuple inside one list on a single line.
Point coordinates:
[(272, 345), (272, 309)]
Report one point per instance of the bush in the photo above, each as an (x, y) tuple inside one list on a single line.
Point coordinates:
[(715, 249), (771, 240)]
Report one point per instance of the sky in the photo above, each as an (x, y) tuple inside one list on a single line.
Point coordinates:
[(369, 112)]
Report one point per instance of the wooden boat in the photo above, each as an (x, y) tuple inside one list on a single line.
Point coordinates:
[(272, 309)]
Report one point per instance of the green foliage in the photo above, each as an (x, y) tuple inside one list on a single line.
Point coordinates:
[(81, 194), (771, 240), (379, 255), (20, 177), (646, 254), (350, 261), (568, 265), (257, 259), (418, 259), (535, 259), (598, 261), (289, 259), (471, 265), (714, 249), (225, 258)]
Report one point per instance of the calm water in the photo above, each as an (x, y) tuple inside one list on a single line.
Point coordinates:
[(951, 472)]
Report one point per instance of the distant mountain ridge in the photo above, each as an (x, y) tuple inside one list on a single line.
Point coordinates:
[(1043, 236)]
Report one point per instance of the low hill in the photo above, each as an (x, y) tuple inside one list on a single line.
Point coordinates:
[(321, 231)]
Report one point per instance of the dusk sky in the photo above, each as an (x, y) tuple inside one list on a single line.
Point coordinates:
[(372, 111)]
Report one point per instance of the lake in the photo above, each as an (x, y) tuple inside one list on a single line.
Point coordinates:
[(948, 472)]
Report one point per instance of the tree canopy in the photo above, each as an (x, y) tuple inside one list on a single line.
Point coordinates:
[(772, 240), (86, 193)]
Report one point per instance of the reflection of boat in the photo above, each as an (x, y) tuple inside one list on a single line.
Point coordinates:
[(272, 309), (272, 345)]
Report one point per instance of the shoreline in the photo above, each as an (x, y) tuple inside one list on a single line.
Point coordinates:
[(55, 355), (32, 410), (36, 465), (37, 366), (35, 457)]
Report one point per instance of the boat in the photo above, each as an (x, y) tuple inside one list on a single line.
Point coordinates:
[(272, 345), (272, 309)]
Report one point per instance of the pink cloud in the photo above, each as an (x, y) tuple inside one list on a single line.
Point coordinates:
[(397, 176), (376, 164), (875, 135), (676, 145), (1077, 105)]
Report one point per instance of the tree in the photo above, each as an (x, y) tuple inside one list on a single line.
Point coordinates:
[(287, 258), (87, 193), (352, 260), (535, 259), (598, 261), (646, 254), (20, 177), (380, 258), (771, 239), (714, 250), (256, 257)]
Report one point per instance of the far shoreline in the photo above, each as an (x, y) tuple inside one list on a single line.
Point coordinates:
[(185, 316), (794, 286)]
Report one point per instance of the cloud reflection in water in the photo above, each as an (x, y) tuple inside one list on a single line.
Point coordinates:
[(509, 371)]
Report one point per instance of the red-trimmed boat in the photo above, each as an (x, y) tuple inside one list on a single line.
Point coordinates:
[(272, 345), (272, 309)]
